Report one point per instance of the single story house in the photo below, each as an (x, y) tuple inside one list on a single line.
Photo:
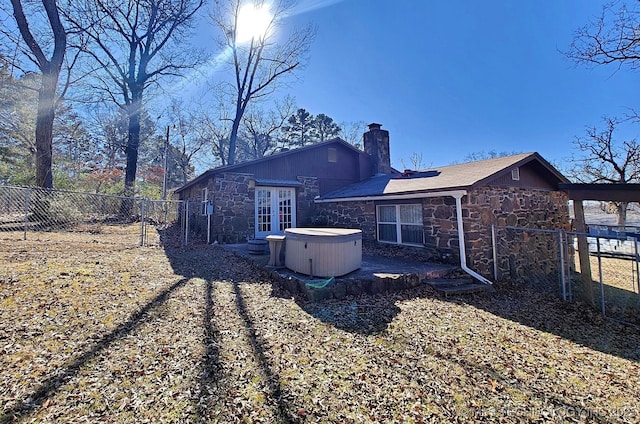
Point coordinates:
[(334, 184), (265, 196)]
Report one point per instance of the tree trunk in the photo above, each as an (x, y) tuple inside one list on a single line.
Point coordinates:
[(50, 70), (622, 213), (133, 143), (44, 127), (131, 151), (231, 159)]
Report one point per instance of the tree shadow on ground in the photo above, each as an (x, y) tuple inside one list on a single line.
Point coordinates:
[(49, 386), (364, 314), (575, 321), (371, 314), (211, 264)]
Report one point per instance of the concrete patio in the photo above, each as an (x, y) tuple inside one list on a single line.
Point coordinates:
[(377, 274)]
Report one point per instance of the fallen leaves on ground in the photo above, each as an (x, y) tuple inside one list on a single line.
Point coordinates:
[(112, 332)]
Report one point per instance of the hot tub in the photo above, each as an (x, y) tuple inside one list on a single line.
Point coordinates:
[(323, 252)]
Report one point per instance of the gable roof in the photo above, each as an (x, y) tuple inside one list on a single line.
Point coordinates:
[(238, 167), (445, 178)]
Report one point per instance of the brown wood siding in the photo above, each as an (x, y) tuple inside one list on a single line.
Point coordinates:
[(346, 169), (532, 175)]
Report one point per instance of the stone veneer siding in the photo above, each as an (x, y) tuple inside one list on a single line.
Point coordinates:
[(360, 215), (305, 206), (233, 197), (480, 209), (538, 209)]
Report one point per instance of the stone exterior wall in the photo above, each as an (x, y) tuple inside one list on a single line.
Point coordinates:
[(536, 209), (305, 206), (480, 209), (360, 215), (232, 195), (233, 198)]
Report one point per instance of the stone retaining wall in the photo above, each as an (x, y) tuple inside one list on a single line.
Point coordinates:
[(343, 287)]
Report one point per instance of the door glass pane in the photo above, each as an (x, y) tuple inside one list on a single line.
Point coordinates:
[(386, 213), (411, 214), (284, 208), (387, 232), (264, 210)]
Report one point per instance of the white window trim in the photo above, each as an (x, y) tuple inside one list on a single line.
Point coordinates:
[(515, 174), (398, 225)]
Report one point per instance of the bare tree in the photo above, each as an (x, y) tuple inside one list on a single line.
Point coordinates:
[(612, 38), (491, 154), (46, 49), (261, 128), (135, 45), (189, 144), (416, 162), (603, 160), (352, 132), (214, 132), (261, 63)]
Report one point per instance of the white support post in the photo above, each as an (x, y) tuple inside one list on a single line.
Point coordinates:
[(463, 254)]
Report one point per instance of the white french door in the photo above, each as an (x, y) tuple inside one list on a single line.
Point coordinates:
[(275, 210)]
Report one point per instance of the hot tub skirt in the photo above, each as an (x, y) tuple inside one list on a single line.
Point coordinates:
[(323, 252)]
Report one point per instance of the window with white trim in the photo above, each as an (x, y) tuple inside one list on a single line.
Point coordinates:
[(515, 174), (400, 224)]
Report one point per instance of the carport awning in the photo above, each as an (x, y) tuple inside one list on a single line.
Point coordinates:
[(605, 192)]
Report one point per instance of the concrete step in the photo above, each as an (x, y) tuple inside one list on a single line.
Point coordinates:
[(452, 286)]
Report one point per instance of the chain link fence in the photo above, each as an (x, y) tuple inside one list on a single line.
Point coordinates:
[(531, 257), (549, 261), (35, 213), (613, 263)]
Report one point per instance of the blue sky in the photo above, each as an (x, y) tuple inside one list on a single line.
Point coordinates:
[(448, 78)]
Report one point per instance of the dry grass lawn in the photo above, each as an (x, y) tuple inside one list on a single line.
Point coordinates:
[(93, 329)]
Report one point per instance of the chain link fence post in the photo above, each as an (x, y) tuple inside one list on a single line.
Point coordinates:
[(563, 281), (186, 223), (602, 304), (142, 223), (27, 200)]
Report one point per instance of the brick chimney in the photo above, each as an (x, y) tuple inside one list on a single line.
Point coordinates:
[(376, 145)]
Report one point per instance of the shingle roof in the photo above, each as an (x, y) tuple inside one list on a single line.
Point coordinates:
[(241, 165), (442, 178)]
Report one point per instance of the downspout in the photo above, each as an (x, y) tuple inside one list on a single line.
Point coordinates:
[(463, 256)]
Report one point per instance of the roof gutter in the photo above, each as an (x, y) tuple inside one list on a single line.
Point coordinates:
[(456, 194), (452, 193)]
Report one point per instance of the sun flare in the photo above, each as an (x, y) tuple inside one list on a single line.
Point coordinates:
[(253, 22)]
